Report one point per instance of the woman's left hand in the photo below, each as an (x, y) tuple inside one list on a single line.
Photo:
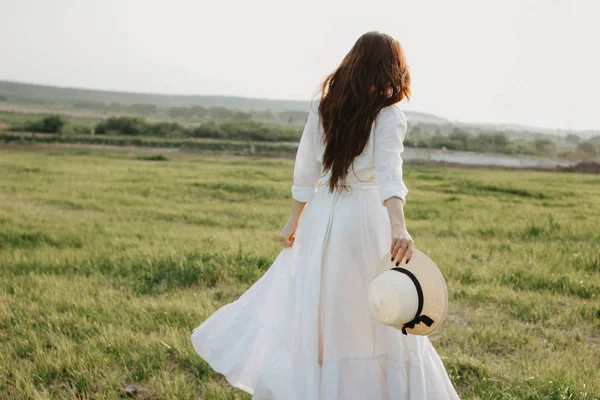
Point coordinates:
[(286, 237)]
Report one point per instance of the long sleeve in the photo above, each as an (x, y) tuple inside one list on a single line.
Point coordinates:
[(307, 169), (389, 137)]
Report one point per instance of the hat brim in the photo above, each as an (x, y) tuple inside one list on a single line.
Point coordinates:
[(433, 284)]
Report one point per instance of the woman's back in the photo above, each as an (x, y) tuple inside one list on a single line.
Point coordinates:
[(380, 161)]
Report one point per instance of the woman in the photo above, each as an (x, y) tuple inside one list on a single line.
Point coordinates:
[(303, 330)]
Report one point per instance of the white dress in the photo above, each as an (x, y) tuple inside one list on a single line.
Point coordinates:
[(303, 330)]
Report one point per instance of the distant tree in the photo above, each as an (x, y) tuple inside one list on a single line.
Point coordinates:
[(499, 139), (490, 142), (461, 137), (48, 124), (123, 126), (573, 139), (588, 148), (90, 105), (241, 116), (291, 116), (144, 109), (167, 129), (263, 115), (179, 112), (253, 130), (52, 124), (116, 107), (198, 111), (545, 146), (3, 98), (439, 141), (207, 130), (220, 113), (413, 130)]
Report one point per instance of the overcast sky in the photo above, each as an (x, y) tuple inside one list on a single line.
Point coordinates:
[(515, 61)]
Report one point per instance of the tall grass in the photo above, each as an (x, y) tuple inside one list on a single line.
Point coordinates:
[(108, 261)]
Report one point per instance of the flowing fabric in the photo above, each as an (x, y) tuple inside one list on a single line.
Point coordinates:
[(303, 330)]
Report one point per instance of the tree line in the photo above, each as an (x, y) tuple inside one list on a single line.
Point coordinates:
[(194, 112), (136, 126), (493, 142)]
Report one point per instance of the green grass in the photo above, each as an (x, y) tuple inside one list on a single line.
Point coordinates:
[(108, 261)]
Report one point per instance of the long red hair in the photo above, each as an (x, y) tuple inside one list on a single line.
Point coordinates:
[(373, 75)]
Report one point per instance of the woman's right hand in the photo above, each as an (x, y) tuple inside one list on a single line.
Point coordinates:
[(402, 245), (286, 237)]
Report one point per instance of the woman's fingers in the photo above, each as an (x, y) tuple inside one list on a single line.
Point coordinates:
[(286, 241), (409, 251), (395, 248), (402, 250), (400, 255)]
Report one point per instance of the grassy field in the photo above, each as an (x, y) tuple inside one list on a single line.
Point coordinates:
[(108, 261)]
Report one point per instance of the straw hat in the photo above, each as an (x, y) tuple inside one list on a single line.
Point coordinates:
[(412, 297)]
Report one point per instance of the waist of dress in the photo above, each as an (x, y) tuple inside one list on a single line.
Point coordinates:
[(355, 185)]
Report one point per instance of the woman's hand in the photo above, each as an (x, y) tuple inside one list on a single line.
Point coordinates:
[(286, 237), (402, 245)]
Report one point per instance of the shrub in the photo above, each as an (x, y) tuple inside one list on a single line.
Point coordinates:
[(291, 116), (545, 146), (168, 129), (208, 130), (457, 136), (198, 111), (123, 126), (252, 130), (48, 124), (494, 142), (438, 141), (573, 139), (263, 115), (179, 112), (72, 129), (241, 116), (220, 113), (90, 105), (116, 107), (587, 148), (459, 140), (139, 108)]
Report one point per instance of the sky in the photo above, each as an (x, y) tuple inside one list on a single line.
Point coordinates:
[(532, 62)]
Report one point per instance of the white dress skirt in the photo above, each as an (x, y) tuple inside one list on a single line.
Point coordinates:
[(303, 330)]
